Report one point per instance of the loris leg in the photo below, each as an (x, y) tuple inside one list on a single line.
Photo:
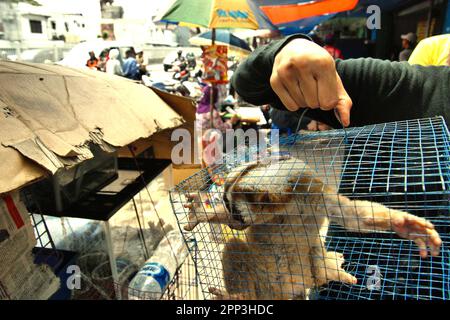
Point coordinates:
[(239, 272), (366, 216), (223, 295)]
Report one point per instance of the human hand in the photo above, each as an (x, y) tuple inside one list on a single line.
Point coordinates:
[(304, 76)]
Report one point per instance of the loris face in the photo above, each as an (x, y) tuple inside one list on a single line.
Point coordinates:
[(253, 194), (250, 201), (238, 212)]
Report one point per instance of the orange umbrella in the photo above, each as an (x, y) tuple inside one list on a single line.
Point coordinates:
[(293, 12)]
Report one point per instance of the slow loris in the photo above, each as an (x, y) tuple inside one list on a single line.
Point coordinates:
[(285, 211)]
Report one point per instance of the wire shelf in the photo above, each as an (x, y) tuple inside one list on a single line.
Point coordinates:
[(45, 251), (398, 168)]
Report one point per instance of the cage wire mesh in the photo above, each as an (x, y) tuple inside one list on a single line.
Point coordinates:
[(184, 282), (335, 215), (183, 285)]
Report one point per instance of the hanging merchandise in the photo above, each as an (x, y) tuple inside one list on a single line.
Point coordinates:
[(215, 63)]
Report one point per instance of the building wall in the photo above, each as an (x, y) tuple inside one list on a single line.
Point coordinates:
[(27, 34), (10, 21), (136, 25), (72, 26)]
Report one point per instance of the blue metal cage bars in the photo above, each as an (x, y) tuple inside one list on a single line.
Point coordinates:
[(404, 165)]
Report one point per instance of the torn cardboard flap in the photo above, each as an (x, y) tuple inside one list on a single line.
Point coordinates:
[(17, 170), (185, 106), (50, 114)]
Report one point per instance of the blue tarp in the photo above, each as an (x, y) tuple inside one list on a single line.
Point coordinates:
[(303, 25), (226, 36)]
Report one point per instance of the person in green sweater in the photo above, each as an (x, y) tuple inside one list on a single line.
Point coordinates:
[(295, 73)]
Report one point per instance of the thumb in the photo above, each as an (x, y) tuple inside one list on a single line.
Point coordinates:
[(344, 105)]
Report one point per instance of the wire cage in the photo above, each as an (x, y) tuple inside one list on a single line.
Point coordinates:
[(183, 286), (361, 213)]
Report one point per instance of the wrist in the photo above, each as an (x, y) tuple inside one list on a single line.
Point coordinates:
[(289, 40)]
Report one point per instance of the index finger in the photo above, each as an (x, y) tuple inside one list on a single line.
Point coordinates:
[(327, 87), (344, 104)]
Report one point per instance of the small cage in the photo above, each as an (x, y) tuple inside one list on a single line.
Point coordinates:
[(361, 213)]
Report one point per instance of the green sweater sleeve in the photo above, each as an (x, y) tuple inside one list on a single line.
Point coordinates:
[(381, 91)]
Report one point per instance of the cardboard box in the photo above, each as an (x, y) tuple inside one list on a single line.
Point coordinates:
[(161, 143), (51, 114), (181, 173)]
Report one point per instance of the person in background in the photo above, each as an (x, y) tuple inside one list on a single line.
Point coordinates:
[(203, 124), (141, 62), (130, 65), (92, 62), (330, 46), (103, 59), (180, 56), (408, 42), (203, 114), (113, 64), (315, 37), (433, 51)]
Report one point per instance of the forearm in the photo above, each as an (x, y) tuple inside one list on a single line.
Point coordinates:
[(381, 91), (385, 91), (252, 78)]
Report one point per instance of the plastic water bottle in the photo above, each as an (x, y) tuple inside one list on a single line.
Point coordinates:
[(153, 278)]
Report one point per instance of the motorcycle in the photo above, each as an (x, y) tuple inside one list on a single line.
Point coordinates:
[(191, 61)]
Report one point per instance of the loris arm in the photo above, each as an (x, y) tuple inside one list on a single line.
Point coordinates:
[(366, 216), (203, 209)]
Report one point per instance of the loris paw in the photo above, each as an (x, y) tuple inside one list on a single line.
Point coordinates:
[(419, 230), (406, 225), (335, 272), (202, 209), (223, 295), (196, 203)]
